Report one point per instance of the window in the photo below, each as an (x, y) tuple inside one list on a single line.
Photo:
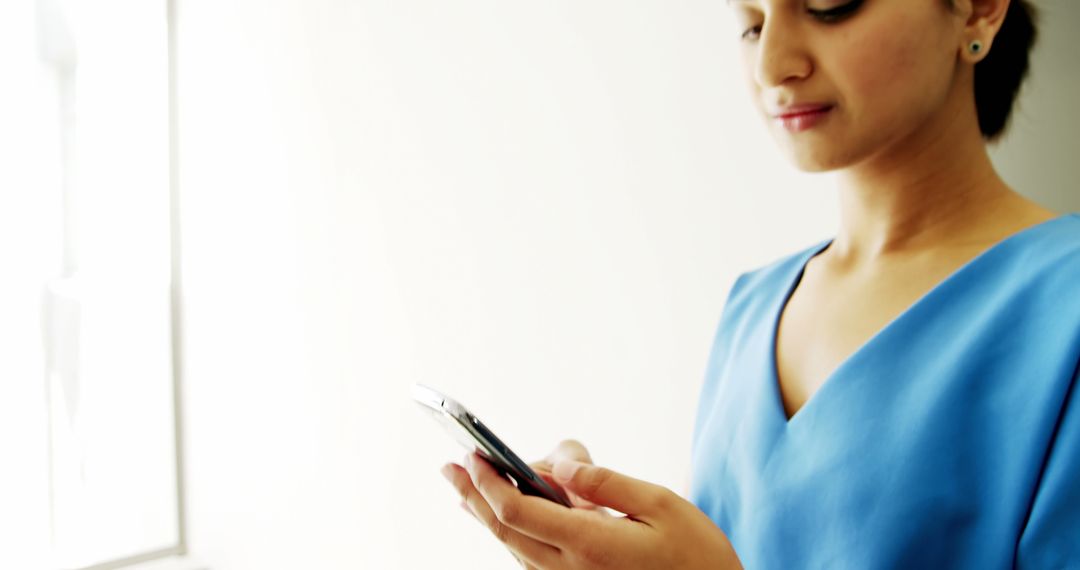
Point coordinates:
[(87, 372)]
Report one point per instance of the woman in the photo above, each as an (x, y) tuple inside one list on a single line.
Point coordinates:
[(901, 396)]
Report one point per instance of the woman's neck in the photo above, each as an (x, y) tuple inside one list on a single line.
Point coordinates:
[(937, 187)]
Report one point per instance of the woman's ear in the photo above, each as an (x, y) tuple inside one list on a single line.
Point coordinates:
[(983, 20)]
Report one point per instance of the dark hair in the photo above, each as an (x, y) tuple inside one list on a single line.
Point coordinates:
[(999, 76)]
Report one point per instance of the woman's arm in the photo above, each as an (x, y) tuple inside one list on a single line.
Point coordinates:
[(1051, 537)]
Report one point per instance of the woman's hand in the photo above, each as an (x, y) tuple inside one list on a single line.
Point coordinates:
[(567, 450), (660, 529)]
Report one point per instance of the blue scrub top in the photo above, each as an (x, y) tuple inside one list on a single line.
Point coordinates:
[(951, 439)]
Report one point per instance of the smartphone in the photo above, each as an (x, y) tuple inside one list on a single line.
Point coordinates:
[(475, 436)]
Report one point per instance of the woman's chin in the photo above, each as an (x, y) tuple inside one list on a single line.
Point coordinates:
[(810, 162)]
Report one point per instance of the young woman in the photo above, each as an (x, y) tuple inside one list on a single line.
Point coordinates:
[(900, 396)]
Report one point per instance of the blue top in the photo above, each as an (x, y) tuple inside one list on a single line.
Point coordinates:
[(951, 439)]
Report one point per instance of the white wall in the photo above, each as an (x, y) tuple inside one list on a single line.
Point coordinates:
[(1039, 154), (537, 207)]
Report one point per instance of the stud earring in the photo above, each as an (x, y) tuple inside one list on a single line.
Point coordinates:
[(975, 47)]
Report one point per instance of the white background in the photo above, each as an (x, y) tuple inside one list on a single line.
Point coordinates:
[(536, 207)]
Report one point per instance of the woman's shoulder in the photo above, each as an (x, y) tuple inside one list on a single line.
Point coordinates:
[(1060, 233), (776, 276), (1045, 256)]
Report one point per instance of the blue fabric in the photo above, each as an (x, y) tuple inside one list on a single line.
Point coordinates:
[(951, 439)]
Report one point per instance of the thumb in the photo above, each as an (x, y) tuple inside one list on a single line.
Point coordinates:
[(633, 497)]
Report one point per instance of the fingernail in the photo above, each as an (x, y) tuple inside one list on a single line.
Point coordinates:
[(447, 472), (565, 470)]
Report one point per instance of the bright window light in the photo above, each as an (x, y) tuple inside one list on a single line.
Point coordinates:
[(90, 387)]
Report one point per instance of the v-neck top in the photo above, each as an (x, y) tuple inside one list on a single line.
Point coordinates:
[(950, 439)]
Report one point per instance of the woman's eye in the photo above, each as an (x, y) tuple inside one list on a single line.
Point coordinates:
[(836, 14), (828, 16), (751, 33)]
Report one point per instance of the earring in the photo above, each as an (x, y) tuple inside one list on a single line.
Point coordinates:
[(975, 47)]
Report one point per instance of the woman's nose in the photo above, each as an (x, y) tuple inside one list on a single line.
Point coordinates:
[(781, 57)]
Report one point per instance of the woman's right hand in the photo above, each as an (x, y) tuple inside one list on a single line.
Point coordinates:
[(568, 449), (660, 529)]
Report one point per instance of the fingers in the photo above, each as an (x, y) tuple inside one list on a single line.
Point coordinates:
[(529, 551), (468, 510), (569, 449), (538, 518), (575, 500), (641, 500)]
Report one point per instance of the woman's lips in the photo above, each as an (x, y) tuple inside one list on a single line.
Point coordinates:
[(798, 118)]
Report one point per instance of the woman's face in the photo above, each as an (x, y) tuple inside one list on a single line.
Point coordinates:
[(882, 70)]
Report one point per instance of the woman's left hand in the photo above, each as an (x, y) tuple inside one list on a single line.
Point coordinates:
[(660, 529)]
